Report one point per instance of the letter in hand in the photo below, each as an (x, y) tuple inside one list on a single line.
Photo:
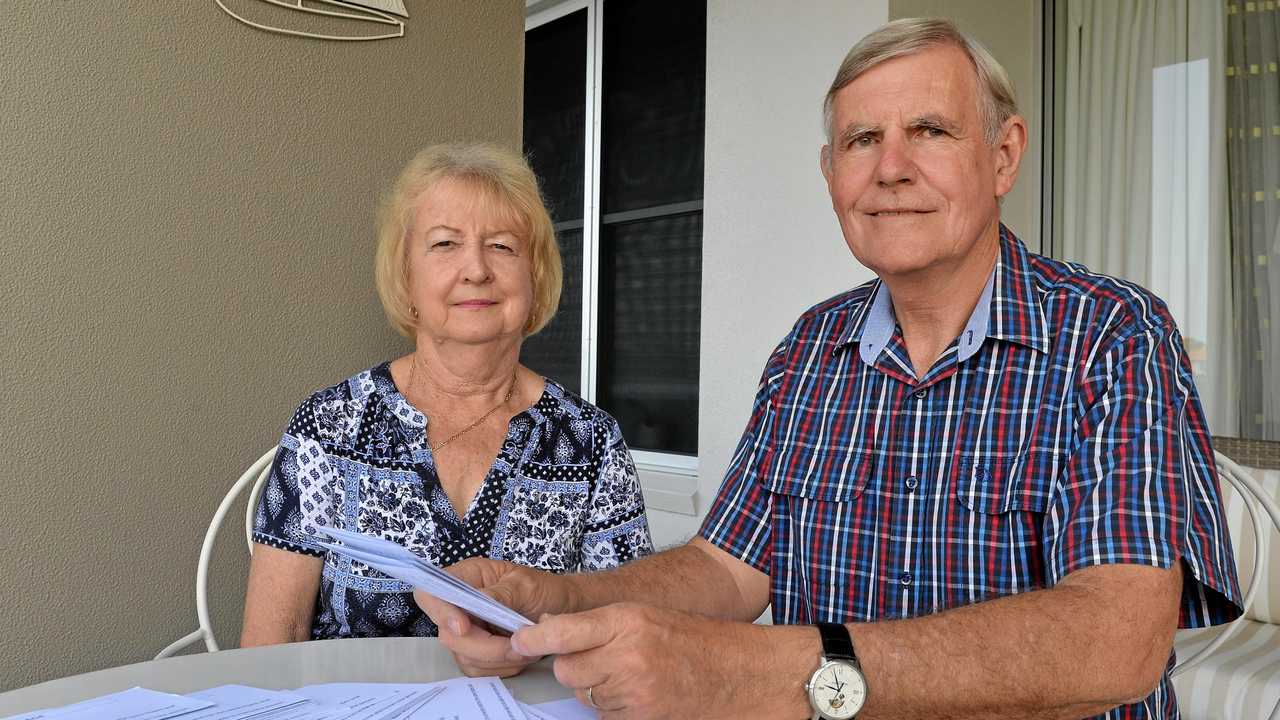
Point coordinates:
[(478, 649)]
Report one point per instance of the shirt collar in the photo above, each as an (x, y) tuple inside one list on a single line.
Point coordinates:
[(1008, 309)]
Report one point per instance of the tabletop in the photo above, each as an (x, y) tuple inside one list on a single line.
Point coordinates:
[(280, 667)]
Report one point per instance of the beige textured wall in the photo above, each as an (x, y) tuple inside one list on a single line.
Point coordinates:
[(186, 209), (1011, 31)]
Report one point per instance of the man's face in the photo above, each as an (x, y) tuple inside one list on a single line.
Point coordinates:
[(911, 177)]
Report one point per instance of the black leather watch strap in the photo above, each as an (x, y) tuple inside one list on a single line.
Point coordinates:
[(836, 642)]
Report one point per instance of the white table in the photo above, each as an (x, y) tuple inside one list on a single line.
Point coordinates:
[(279, 667)]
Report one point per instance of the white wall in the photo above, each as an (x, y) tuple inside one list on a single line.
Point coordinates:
[(771, 245)]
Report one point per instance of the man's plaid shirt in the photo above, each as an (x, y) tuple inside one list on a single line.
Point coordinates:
[(1061, 430)]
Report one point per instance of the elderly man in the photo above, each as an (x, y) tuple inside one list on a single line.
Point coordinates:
[(978, 486)]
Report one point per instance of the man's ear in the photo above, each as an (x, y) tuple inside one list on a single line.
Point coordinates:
[(824, 159), (1008, 153)]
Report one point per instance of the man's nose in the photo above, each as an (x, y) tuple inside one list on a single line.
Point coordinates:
[(895, 165), (475, 267)]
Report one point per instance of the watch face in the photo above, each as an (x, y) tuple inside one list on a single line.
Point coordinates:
[(837, 690)]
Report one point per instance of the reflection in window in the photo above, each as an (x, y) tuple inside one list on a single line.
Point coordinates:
[(554, 142), (644, 250), (650, 292)]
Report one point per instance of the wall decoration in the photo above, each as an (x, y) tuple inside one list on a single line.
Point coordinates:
[(383, 12)]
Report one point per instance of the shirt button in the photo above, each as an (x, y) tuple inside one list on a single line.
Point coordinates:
[(913, 482), (920, 394), (905, 578)]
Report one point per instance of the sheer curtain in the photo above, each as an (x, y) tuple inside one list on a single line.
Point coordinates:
[(1253, 159), (1143, 169)]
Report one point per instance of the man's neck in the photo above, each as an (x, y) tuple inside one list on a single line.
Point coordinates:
[(932, 306)]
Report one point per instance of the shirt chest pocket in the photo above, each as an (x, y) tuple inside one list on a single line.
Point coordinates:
[(996, 485), (827, 476)]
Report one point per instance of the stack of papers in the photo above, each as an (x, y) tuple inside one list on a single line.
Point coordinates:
[(136, 703), (398, 562), (457, 699)]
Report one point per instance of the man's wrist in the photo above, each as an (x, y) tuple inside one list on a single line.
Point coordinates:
[(785, 657), (573, 594)]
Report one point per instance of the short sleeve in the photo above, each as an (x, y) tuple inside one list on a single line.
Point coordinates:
[(298, 496), (1139, 484), (738, 522), (617, 529)]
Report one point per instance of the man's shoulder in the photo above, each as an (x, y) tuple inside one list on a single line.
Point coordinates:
[(1110, 304), (837, 311)]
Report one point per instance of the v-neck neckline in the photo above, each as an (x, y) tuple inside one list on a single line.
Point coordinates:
[(424, 457)]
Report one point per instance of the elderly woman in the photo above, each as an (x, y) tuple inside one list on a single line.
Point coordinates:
[(454, 450)]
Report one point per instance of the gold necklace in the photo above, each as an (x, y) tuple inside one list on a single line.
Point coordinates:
[(413, 374)]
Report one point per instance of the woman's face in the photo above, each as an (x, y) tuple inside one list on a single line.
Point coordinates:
[(469, 272)]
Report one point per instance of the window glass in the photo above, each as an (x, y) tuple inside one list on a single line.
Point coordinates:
[(650, 294)]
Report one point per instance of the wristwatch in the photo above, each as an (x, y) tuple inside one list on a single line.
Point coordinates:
[(837, 689)]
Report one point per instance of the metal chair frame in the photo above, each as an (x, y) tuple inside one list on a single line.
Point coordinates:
[(253, 478), (1256, 499)]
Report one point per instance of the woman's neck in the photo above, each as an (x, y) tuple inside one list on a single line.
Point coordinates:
[(455, 372)]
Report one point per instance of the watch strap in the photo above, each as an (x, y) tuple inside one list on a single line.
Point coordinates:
[(836, 642)]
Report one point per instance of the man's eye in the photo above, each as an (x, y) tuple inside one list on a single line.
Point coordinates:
[(934, 132), (862, 141)]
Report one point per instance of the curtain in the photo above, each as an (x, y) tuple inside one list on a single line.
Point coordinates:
[(1253, 161), (1143, 177)]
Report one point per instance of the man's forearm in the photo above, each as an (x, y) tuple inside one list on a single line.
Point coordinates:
[(684, 578), (1069, 652)]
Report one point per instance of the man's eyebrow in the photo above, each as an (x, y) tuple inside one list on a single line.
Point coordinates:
[(854, 130), (934, 120)]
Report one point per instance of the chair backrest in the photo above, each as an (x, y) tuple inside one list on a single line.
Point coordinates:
[(1244, 538), (1253, 517), (252, 479)]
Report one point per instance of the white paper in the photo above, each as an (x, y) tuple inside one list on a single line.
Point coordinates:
[(241, 702), (398, 562), (134, 704), (569, 709), (460, 698)]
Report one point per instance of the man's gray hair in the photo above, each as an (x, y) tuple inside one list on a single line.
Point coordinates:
[(899, 38)]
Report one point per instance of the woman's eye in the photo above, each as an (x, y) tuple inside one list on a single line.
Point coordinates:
[(442, 244), (502, 247)]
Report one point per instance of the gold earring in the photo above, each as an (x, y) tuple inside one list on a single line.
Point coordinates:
[(413, 310)]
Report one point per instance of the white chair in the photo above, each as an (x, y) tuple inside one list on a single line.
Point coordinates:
[(253, 478), (1258, 651)]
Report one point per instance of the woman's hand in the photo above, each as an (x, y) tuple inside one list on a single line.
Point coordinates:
[(478, 649)]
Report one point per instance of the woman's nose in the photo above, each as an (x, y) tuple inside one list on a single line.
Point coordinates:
[(475, 267)]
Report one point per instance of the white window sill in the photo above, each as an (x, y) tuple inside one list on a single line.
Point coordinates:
[(669, 489)]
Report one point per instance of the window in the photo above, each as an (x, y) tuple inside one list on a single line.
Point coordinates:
[(1166, 171), (620, 159)]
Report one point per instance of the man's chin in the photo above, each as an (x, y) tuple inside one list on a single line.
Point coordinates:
[(896, 257)]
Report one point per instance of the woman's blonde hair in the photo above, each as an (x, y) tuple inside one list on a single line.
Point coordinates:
[(501, 178)]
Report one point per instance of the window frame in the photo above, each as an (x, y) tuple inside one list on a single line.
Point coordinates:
[(681, 467)]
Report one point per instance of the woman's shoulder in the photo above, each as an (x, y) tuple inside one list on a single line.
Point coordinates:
[(332, 412), (562, 405)]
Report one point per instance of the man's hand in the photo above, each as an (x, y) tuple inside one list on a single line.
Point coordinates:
[(640, 661), (478, 649)]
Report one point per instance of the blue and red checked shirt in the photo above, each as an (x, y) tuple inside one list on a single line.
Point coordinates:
[(1060, 430)]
